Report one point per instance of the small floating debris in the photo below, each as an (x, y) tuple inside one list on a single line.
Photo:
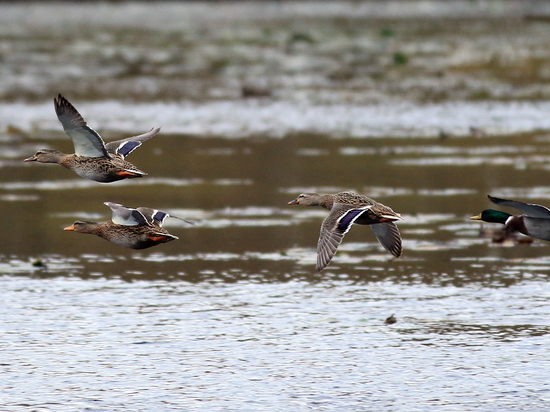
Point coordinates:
[(255, 90), (38, 263), (390, 320)]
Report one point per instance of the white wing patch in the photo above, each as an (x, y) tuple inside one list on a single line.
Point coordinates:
[(127, 216), (87, 142)]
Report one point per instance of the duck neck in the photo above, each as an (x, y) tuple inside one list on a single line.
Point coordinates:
[(517, 223), (88, 227), (326, 201), (54, 156)]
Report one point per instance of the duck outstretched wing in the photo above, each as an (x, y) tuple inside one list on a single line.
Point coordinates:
[(528, 209), (388, 235), (333, 229), (127, 216), (126, 146), (157, 217), (87, 142)]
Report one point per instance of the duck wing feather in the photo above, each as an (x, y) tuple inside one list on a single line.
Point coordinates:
[(388, 235), (333, 229), (127, 216), (528, 209), (87, 142), (157, 217), (126, 146)]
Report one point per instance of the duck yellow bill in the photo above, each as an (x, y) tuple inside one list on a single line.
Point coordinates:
[(70, 228), (477, 217)]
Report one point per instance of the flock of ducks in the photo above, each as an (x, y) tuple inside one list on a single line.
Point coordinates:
[(141, 228)]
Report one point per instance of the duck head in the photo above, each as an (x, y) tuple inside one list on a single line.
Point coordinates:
[(82, 226), (46, 156), (492, 216), (307, 199)]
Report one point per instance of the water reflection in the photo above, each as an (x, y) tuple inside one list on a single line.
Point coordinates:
[(238, 200)]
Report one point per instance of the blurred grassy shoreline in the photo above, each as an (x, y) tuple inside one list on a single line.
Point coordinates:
[(342, 52)]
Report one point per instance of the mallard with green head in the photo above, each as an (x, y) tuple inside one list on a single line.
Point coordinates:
[(534, 220)]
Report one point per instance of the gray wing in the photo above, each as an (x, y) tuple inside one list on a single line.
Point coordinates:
[(157, 217), (127, 216), (126, 146), (87, 142), (333, 229), (528, 209), (328, 243), (388, 235)]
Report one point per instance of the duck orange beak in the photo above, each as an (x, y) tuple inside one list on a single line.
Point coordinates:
[(127, 173), (30, 159), (293, 202), (155, 238), (70, 228)]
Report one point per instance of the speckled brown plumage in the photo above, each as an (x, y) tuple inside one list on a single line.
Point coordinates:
[(347, 208), (133, 237), (93, 159), (139, 228)]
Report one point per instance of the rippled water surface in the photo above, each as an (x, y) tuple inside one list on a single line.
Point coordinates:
[(424, 113)]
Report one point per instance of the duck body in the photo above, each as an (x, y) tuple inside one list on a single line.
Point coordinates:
[(133, 237), (93, 158), (139, 228), (347, 209), (100, 169), (534, 220), (534, 227)]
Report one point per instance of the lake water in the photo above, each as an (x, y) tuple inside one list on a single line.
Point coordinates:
[(258, 103)]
